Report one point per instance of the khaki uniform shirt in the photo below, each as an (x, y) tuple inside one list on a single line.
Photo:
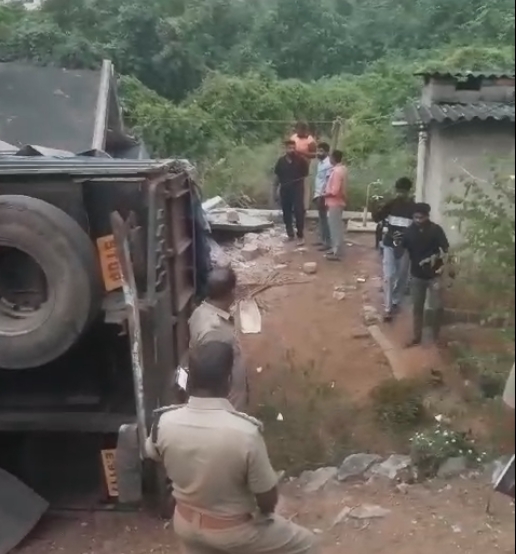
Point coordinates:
[(509, 395), (215, 457), (210, 323)]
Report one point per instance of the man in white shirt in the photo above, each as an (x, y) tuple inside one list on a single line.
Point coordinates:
[(324, 169)]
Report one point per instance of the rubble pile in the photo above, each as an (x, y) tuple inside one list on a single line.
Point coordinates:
[(255, 257)]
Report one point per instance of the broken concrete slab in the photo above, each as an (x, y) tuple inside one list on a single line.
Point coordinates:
[(219, 221), (356, 465)]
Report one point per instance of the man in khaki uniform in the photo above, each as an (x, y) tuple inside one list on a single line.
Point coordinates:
[(212, 321), (224, 485)]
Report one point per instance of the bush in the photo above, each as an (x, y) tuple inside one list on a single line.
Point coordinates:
[(486, 217), (431, 448), (398, 405)]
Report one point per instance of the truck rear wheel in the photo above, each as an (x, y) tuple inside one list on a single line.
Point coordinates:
[(50, 286)]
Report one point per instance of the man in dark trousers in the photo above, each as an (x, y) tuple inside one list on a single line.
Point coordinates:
[(428, 248), (289, 187), (397, 215)]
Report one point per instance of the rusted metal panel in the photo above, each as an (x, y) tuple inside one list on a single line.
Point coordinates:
[(121, 235)]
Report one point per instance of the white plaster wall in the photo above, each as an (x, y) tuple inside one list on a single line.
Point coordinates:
[(459, 151)]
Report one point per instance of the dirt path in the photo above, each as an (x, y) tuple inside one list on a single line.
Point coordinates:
[(440, 517)]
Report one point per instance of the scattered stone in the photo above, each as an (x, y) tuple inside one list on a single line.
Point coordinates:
[(356, 465), (339, 296), (392, 467), (371, 315), (361, 335), (362, 280), (310, 268), (403, 488), (281, 475), (342, 516), (250, 252), (233, 216), (314, 481), (368, 511), (281, 266), (453, 467)]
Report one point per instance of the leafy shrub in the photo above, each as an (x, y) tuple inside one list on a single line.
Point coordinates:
[(486, 218), (399, 405), (432, 447)]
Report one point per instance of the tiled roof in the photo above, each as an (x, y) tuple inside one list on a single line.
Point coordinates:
[(415, 114), (466, 74)]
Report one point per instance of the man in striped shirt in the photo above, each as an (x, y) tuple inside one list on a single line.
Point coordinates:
[(398, 215)]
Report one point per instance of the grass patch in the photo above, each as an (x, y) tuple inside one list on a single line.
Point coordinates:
[(399, 405), (307, 421)]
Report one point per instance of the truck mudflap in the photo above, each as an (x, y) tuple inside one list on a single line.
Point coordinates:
[(20, 510)]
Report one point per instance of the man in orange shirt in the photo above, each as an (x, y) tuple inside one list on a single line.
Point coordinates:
[(306, 146), (336, 193)]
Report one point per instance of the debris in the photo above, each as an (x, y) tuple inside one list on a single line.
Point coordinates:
[(250, 317), (362, 280), (310, 268), (356, 465), (314, 481), (403, 488), (212, 203), (250, 252), (280, 417), (371, 315), (339, 296), (342, 516), (281, 266), (259, 369), (392, 467), (453, 467), (368, 511), (233, 216)]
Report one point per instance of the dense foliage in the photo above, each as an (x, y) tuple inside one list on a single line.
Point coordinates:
[(220, 81)]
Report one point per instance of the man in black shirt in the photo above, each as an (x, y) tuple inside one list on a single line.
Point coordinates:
[(397, 216), (428, 247), (289, 186)]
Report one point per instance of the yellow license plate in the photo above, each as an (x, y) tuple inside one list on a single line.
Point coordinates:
[(110, 476), (109, 263)]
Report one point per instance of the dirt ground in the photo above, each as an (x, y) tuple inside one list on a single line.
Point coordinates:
[(315, 344), (440, 517)]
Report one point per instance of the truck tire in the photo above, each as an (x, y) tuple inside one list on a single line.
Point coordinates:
[(50, 286)]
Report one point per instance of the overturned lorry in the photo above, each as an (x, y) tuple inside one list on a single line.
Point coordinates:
[(97, 282)]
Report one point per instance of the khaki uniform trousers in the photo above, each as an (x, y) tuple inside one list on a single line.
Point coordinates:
[(275, 535)]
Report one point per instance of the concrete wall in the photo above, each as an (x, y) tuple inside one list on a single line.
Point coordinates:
[(455, 153)]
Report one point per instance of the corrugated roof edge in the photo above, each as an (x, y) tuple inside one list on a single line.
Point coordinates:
[(85, 166), (418, 114), (466, 74)]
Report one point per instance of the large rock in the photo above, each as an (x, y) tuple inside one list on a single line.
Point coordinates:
[(314, 481), (356, 465), (453, 467), (392, 467)]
